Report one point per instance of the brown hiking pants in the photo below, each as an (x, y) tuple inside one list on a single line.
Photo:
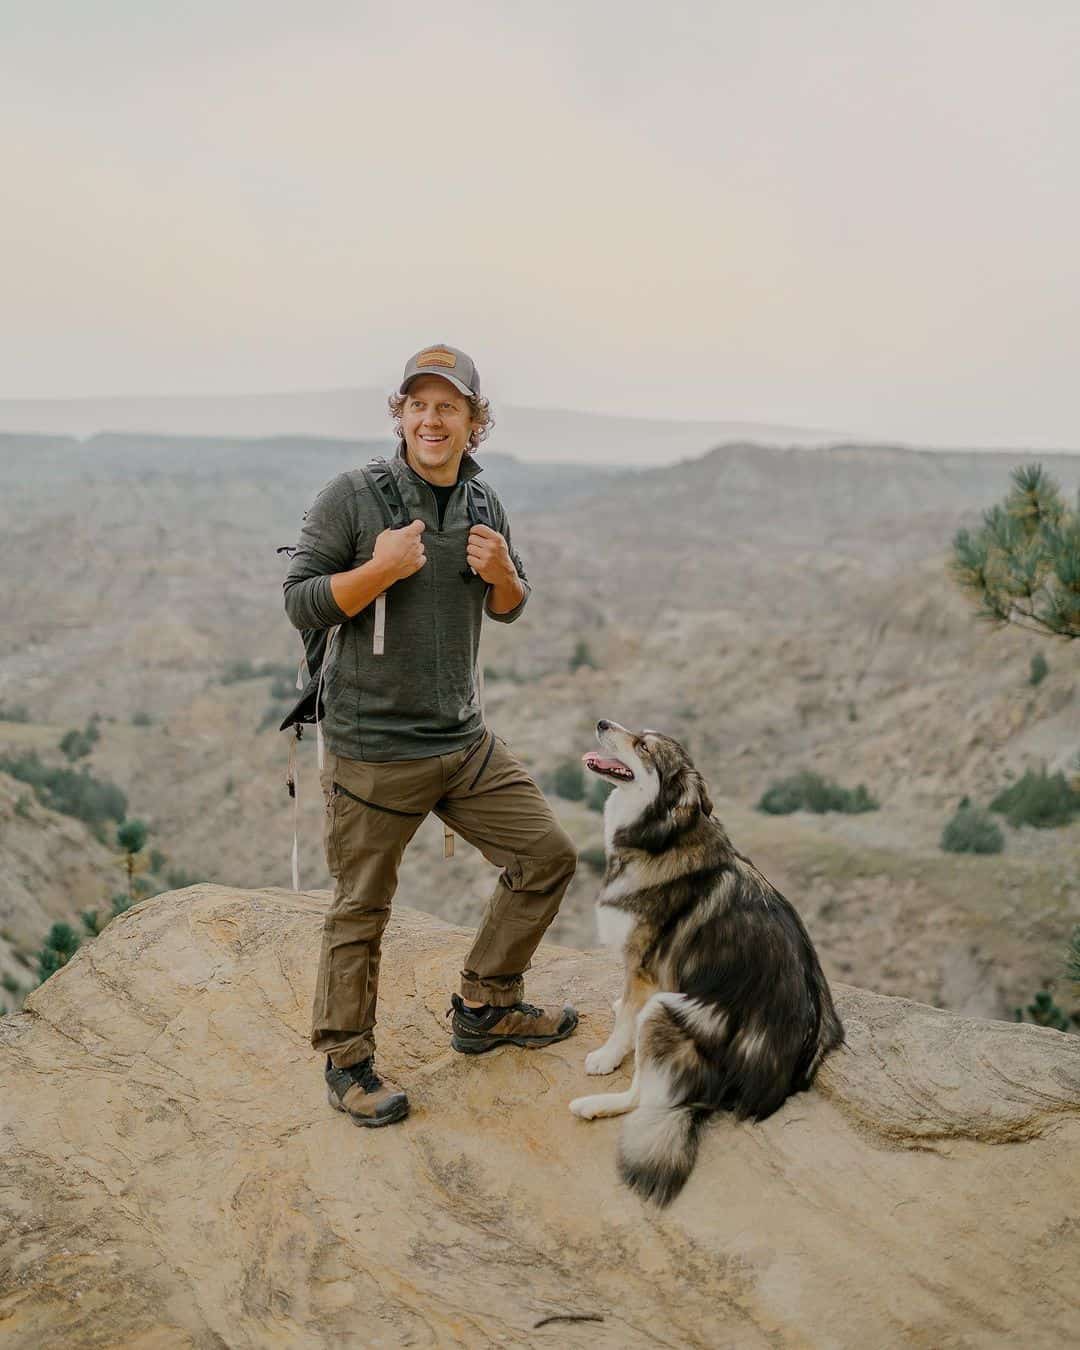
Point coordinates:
[(372, 811)]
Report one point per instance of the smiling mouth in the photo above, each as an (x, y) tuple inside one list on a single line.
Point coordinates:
[(434, 440), (608, 768)]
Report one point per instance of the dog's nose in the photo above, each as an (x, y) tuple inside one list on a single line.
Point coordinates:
[(602, 726)]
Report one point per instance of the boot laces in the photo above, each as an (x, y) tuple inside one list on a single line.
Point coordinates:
[(365, 1075)]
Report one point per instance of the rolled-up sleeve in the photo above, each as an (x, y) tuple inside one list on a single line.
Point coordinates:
[(327, 545), (515, 558)]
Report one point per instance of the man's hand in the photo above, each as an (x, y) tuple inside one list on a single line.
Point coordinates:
[(400, 553), (489, 557)]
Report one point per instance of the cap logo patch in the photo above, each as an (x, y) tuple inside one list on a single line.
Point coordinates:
[(437, 356)]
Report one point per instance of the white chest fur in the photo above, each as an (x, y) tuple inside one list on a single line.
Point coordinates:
[(613, 926)]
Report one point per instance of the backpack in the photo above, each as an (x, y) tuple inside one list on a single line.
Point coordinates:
[(309, 707)]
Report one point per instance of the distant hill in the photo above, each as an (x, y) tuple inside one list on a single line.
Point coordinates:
[(534, 434), (775, 609)]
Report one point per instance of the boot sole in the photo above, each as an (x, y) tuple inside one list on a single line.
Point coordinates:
[(481, 1045), (370, 1122)]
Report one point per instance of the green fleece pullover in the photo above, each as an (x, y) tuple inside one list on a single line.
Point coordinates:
[(420, 696)]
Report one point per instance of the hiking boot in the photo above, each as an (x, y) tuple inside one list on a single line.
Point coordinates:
[(479, 1029), (363, 1096)]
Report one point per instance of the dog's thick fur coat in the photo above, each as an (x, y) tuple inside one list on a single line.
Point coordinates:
[(725, 1002)]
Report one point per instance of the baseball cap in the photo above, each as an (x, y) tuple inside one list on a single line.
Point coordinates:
[(449, 362)]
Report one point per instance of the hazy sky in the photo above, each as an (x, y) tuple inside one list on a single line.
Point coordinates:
[(850, 215)]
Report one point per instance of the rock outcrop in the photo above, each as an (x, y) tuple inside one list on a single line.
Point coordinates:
[(172, 1175)]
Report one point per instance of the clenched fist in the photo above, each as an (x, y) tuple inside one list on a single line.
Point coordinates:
[(401, 552), (488, 555)]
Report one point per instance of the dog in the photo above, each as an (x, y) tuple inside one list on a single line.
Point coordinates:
[(725, 1003)]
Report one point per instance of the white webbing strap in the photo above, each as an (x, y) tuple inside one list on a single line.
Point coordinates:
[(378, 637), (295, 812), (291, 780)]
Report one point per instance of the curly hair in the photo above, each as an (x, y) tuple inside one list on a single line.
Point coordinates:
[(479, 411)]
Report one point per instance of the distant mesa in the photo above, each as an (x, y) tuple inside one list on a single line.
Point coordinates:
[(538, 435)]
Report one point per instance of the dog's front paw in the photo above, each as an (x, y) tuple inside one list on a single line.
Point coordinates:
[(604, 1060), (583, 1107)]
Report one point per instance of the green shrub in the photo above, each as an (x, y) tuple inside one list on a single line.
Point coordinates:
[(91, 921), (157, 861), (75, 745), (808, 791), (1040, 668), (77, 794), (972, 831), (1039, 799), (141, 719), (781, 798), (10, 983), (1044, 1012), (78, 744), (581, 656), (594, 858), (236, 671), (14, 712), (60, 946), (131, 836), (178, 880), (568, 780), (22, 804)]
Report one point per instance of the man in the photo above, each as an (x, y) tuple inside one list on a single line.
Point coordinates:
[(405, 734)]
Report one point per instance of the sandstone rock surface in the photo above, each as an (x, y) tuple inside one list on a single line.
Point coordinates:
[(172, 1175)]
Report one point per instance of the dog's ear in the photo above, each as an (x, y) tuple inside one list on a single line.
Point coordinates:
[(667, 819), (693, 799)]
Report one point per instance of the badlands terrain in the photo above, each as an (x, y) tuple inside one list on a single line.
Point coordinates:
[(777, 609)]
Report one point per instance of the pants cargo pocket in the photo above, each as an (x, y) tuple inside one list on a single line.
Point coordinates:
[(332, 831)]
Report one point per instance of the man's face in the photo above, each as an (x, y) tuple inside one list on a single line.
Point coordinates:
[(436, 424)]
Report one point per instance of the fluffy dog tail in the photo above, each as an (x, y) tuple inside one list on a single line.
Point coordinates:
[(658, 1149)]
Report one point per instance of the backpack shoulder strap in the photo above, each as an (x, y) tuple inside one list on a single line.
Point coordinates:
[(380, 478), (479, 504)]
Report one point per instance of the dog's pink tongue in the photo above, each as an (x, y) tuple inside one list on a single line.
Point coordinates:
[(594, 761)]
